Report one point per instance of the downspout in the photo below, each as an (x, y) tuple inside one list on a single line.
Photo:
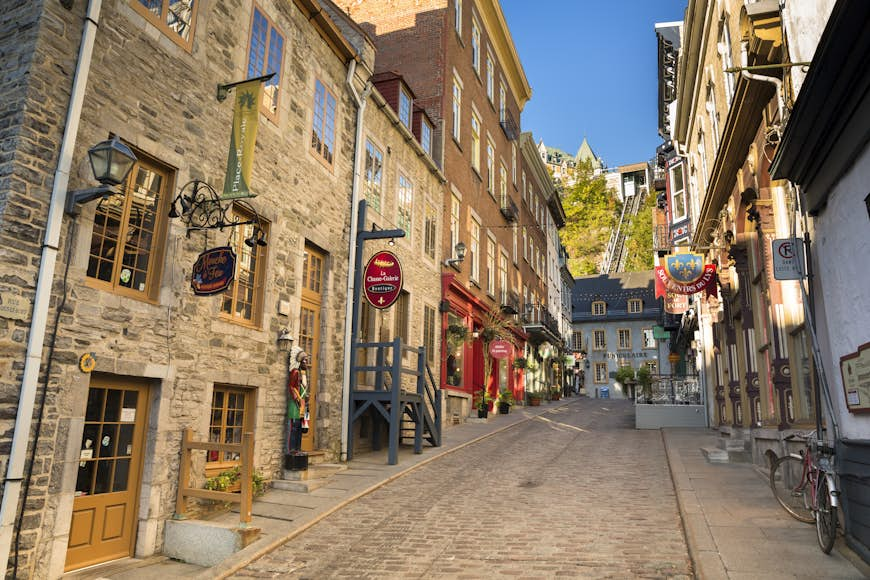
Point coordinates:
[(39, 317), (744, 62), (361, 100)]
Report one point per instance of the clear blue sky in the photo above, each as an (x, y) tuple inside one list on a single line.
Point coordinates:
[(592, 68)]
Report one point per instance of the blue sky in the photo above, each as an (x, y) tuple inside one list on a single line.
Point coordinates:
[(592, 68)]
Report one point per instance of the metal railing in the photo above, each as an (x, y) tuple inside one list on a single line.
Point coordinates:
[(671, 390)]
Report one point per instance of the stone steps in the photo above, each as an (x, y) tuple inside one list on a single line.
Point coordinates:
[(317, 475)]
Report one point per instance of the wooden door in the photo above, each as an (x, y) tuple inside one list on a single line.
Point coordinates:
[(309, 331), (103, 524)]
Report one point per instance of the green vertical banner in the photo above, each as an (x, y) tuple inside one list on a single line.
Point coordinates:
[(246, 116)]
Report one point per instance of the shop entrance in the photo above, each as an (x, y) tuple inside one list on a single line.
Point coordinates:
[(103, 524), (309, 331)]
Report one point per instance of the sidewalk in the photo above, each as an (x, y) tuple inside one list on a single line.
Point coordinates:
[(282, 515), (735, 528)]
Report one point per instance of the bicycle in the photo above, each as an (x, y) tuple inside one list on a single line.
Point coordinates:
[(803, 483)]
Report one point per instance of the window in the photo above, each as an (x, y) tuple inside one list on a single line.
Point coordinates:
[(405, 203), (724, 47), (524, 186), (649, 340), (457, 107), (426, 136), (265, 55), (454, 222), (653, 366), (175, 18), (428, 333), (702, 155), (514, 164), (490, 78), (515, 244), (712, 114), (502, 186), (490, 167), (490, 266), (127, 239), (373, 175), (430, 232), (525, 245), (599, 308), (475, 250), (475, 46), (400, 320), (601, 373), (624, 338), (598, 341), (502, 276), (405, 107), (323, 127), (457, 17), (475, 141), (635, 306), (678, 193), (229, 420), (576, 340), (502, 111), (532, 252), (242, 300)]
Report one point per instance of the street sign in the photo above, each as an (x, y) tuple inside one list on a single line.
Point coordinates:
[(382, 280), (500, 349), (788, 259)]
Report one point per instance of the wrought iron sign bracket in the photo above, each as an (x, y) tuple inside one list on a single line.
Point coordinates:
[(224, 90), (203, 209)]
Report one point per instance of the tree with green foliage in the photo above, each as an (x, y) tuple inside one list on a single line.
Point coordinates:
[(591, 212), (639, 238)]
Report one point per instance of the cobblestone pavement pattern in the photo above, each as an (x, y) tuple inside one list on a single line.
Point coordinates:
[(574, 493)]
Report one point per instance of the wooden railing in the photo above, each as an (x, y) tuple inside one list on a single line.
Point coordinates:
[(245, 449)]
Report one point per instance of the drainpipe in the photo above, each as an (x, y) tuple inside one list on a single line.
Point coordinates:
[(361, 100), (39, 317), (744, 62)]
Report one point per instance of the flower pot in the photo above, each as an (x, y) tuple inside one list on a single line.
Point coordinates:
[(535, 402), (504, 408), (482, 413)]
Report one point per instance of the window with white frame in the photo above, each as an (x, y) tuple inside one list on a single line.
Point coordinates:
[(712, 114), (455, 206), (475, 46), (502, 273), (490, 78), (475, 250), (490, 167), (405, 107), (490, 265), (514, 164), (426, 136), (405, 203), (653, 366), (599, 308), (457, 107), (502, 103), (635, 306), (430, 231), (457, 17), (702, 156), (515, 236), (524, 186), (649, 340), (576, 340), (475, 141), (678, 193), (598, 340), (623, 336), (502, 186), (724, 47), (525, 245)]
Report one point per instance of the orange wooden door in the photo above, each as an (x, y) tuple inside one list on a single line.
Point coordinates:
[(309, 331), (103, 524)]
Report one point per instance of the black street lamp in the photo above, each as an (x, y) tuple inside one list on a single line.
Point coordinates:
[(111, 162)]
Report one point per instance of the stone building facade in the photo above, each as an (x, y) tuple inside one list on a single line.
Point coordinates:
[(134, 356)]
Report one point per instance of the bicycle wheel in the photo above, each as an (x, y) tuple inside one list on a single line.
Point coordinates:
[(791, 488), (826, 516)]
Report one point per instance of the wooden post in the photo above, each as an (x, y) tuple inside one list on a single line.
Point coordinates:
[(183, 473), (247, 458)]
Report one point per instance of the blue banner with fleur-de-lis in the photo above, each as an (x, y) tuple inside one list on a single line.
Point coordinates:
[(246, 116)]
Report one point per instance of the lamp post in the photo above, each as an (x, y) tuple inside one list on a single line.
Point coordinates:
[(111, 162)]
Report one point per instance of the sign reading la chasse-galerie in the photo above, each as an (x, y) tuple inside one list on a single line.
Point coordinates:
[(382, 280)]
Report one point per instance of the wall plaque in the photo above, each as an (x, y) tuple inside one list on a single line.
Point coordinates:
[(855, 369), (14, 307)]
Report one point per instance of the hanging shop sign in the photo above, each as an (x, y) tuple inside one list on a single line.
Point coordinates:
[(382, 280), (855, 369), (213, 271), (246, 116), (676, 303), (685, 274), (500, 349)]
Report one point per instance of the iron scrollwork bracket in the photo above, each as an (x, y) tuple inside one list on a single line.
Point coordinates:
[(203, 209)]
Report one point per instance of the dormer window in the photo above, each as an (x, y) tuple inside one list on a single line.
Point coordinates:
[(405, 108), (599, 308), (635, 306)]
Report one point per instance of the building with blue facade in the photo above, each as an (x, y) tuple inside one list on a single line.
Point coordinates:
[(613, 319)]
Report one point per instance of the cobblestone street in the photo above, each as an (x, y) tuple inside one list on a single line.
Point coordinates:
[(576, 492)]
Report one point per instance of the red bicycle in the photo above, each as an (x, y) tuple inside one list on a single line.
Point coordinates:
[(804, 484)]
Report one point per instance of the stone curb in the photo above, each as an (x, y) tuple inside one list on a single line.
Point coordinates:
[(225, 570)]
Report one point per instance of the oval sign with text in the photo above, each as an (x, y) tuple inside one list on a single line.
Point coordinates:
[(500, 349), (382, 279)]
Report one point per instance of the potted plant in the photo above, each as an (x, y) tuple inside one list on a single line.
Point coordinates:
[(482, 399), (519, 363), (555, 394), (644, 379), (625, 377), (456, 334), (229, 480), (534, 399), (505, 400)]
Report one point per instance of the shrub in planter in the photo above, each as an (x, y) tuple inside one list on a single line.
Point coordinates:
[(505, 400)]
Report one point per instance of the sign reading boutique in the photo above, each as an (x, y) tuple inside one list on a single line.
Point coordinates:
[(382, 280)]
